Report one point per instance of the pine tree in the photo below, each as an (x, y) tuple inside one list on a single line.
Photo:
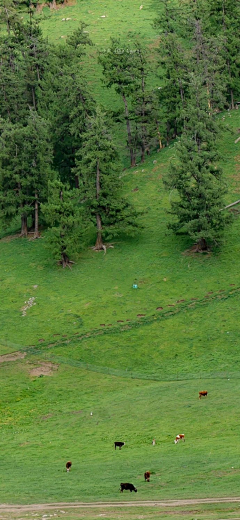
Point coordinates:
[(206, 54), (144, 104), (13, 103), (25, 167), (98, 169), (173, 61), (225, 21), (126, 67), (9, 16), (196, 176), (67, 103), (120, 71), (64, 213), (23, 62)]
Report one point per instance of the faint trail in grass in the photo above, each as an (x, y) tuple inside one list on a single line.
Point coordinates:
[(188, 305), (179, 307), (146, 503)]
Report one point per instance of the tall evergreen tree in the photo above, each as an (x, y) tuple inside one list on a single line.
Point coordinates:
[(24, 59), (206, 54), (173, 61), (64, 214), (196, 176), (225, 21), (9, 15), (13, 103), (67, 103), (25, 168), (120, 71), (98, 170), (126, 67), (144, 103)]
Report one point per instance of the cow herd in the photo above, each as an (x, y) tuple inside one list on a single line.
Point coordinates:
[(118, 444)]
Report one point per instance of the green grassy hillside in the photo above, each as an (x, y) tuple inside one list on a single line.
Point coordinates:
[(135, 358)]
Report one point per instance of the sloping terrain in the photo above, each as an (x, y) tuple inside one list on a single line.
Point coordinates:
[(87, 359)]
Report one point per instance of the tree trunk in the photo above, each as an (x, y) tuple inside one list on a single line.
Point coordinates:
[(36, 207), (76, 182), (65, 261), (144, 133), (159, 136), (7, 21), (232, 98), (24, 229), (99, 246), (33, 98), (129, 133), (201, 245), (99, 243), (142, 153)]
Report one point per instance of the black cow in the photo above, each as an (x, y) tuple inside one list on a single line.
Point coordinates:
[(68, 466), (119, 444), (126, 485)]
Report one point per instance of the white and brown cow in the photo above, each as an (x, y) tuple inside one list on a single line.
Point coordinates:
[(180, 437)]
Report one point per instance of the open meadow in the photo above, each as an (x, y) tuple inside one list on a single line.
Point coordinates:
[(87, 360), (134, 358)]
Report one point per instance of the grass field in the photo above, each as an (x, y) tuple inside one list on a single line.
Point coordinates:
[(138, 375), (193, 512), (135, 358)]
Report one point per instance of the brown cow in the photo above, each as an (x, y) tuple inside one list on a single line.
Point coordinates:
[(180, 437), (203, 394), (68, 466), (147, 476)]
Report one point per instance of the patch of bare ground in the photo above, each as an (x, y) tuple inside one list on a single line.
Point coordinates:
[(14, 356), (107, 505), (155, 43), (29, 236), (43, 369), (10, 237), (194, 250)]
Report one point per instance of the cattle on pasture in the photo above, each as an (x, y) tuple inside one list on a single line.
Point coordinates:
[(203, 394), (147, 476), (153, 442), (119, 444), (68, 465), (180, 437), (126, 486)]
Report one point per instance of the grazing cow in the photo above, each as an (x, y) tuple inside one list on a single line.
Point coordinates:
[(203, 394), (68, 465), (147, 476), (126, 485), (179, 438), (119, 444), (153, 442)]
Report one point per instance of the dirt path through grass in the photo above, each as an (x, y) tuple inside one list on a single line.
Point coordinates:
[(7, 508)]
